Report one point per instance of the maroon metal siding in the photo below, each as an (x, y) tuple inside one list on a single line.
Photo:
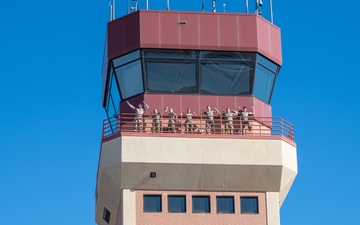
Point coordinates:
[(197, 31), (123, 35)]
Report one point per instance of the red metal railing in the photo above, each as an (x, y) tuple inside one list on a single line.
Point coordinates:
[(256, 126)]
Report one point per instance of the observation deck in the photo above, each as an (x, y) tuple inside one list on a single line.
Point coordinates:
[(274, 128)]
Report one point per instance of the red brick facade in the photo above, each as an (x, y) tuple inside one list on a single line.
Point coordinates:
[(190, 218)]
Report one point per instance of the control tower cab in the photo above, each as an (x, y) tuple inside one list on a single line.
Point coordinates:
[(189, 136)]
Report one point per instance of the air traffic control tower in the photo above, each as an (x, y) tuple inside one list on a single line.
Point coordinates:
[(186, 167)]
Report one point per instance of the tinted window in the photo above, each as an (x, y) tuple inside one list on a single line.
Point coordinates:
[(176, 203), (226, 78), (126, 58), (171, 76), (264, 81), (267, 63), (106, 215), (152, 203), (224, 204), (201, 204), (194, 72), (130, 79), (249, 205), (115, 97)]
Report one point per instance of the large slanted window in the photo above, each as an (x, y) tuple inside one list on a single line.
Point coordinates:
[(129, 74), (152, 203), (199, 72), (192, 72), (226, 73), (171, 76), (226, 78), (171, 71), (201, 204), (177, 203), (225, 204), (265, 78), (130, 79), (113, 97), (249, 205)]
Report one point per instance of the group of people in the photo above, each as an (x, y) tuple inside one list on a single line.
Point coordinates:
[(228, 115)]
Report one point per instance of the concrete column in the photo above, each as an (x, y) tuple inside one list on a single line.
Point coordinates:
[(129, 209), (273, 208)]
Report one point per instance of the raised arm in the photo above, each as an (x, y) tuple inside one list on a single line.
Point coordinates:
[(253, 110), (131, 106), (164, 110), (145, 105), (216, 110)]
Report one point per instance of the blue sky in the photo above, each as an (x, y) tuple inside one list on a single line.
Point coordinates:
[(51, 115)]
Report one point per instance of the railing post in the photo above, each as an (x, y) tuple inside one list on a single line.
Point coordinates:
[(222, 131), (103, 128), (260, 125), (119, 119)]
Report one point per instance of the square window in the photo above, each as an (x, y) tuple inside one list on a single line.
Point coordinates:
[(225, 204), (177, 203), (106, 215), (249, 205), (201, 204), (152, 203)]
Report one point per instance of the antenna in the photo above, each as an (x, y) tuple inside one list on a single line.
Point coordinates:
[(271, 12), (224, 5), (213, 6), (202, 6), (247, 6), (147, 4), (167, 4), (113, 9), (111, 6), (111, 16), (128, 11)]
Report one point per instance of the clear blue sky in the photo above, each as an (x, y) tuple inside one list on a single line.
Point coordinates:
[(51, 115)]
